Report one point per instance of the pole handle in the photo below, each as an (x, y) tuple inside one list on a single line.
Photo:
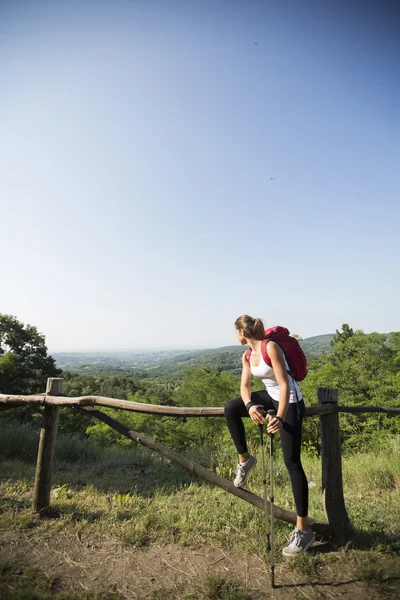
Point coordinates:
[(271, 413), (261, 425)]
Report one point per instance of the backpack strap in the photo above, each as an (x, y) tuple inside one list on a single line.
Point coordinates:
[(268, 361), (267, 358), (264, 351)]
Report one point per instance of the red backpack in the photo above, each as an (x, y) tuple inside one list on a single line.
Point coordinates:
[(291, 348)]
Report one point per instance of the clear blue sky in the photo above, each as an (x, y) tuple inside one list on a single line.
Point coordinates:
[(167, 166)]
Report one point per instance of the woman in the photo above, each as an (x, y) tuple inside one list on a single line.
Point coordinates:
[(282, 394)]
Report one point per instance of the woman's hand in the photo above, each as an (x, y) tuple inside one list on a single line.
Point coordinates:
[(274, 424), (257, 415)]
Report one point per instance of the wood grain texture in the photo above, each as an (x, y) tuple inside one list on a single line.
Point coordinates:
[(332, 480), (47, 444), (177, 411)]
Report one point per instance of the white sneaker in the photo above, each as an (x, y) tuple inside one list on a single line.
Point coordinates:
[(298, 542), (243, 470)]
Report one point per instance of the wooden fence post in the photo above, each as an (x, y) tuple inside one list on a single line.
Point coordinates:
[(47, 444), (332, 481)]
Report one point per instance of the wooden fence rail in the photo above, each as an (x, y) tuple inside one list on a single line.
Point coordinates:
[(7, 400), (338, 525)]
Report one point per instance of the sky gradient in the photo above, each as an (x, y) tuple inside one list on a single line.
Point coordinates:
[(167, 166)]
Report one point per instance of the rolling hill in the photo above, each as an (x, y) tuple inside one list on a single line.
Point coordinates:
[(169, 362)]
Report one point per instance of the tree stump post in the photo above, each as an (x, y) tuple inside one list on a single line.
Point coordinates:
[(332, 480), (47, 444)]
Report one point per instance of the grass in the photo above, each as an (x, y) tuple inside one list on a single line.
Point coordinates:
[(34, 584), (136, 501), (219, 588)]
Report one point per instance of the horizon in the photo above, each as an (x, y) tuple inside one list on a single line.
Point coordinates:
[(167, 167), (163, 349)]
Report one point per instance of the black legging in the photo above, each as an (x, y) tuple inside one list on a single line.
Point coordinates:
[(290, 436)]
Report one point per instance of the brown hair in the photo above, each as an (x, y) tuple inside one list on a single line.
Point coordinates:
[(253, 328)]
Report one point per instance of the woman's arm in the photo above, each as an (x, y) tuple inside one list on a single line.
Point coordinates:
[(278, 364), (255, 414), (245, 383)]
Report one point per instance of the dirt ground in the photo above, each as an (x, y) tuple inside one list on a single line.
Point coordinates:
[(79, 563)]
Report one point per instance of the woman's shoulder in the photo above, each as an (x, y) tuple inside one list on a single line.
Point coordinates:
[(273, 349), (246, 356), (271, 344)]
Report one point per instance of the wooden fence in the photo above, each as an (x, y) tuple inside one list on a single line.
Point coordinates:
[(338, 524)]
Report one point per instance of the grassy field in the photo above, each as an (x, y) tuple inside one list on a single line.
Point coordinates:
[(126, 523)]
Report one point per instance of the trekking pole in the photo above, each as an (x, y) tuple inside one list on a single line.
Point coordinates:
[(272, 413), (261, 426)]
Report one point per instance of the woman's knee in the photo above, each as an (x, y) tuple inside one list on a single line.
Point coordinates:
[(230, 408), (293, 464)]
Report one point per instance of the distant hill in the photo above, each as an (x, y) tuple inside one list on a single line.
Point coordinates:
[(230, 356), (169, 363), (318, 344)]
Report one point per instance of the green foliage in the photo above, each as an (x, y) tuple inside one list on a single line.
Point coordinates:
[(199, 387), (18, 439), (24, 364), (365, 369), (205, 387), (316, 346), (125, 388), (342, 336), (22, 440)]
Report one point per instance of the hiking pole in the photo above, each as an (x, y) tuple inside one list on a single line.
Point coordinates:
[(272, 413), (261, 426)]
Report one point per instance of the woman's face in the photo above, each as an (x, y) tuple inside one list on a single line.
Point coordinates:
[(240, 336)]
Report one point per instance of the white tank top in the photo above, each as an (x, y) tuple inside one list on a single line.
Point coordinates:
[(267, 376)]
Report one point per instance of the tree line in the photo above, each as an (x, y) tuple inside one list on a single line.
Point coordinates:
[(365, 368)]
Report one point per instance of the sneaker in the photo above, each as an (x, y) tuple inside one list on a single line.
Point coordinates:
[(298, 542), (243, 470)]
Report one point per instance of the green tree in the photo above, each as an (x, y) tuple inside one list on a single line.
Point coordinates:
[(203, 386), (200, 387), (342, 336), (365, 369), (24, 363)]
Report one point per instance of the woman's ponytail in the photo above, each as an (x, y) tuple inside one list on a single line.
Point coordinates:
[(253, 328), (258, 329)]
